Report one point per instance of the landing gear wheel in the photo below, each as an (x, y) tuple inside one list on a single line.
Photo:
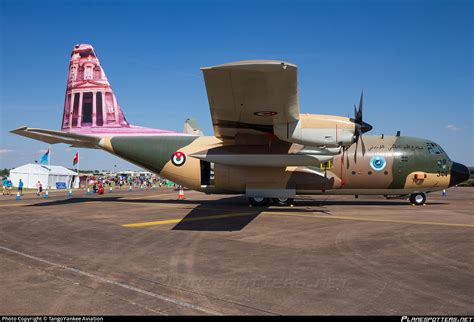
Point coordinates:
[(259, 201), (282, 201), (418, 199)]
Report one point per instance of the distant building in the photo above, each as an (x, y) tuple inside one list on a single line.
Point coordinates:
[(50, 176)]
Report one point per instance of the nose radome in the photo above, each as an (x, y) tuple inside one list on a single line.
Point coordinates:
[(459, 173)]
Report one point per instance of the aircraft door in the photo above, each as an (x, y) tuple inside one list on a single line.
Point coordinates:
[(207, 173)]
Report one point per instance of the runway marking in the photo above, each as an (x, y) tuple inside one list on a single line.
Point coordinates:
[(105, 280), (175, 221), (378, 220)]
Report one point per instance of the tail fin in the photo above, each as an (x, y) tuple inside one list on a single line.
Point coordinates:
[(90, 101), (191, 126)]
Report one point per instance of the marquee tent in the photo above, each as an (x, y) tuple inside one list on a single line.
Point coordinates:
[(52, 176)]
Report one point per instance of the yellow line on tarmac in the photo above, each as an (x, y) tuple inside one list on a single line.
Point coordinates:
[(153, 196), (175, 221), (15, 205)]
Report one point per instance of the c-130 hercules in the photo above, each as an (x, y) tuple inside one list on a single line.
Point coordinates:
[(263, 147)]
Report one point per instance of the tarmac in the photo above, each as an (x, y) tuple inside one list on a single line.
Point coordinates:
[(147, 253)]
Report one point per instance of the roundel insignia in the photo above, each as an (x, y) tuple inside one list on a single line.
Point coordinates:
[(266, 113), (378, 163), (178, 158)]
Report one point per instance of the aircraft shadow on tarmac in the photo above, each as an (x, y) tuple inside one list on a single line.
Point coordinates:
[(230, 213)]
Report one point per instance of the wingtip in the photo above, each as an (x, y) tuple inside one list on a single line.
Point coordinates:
[(253, 64), (20, 129)]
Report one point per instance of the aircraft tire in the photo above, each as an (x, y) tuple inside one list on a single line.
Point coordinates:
[(259, 201), (418, 199), (282, 201)]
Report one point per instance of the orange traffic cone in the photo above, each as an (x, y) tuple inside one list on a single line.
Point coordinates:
[(181, 193)]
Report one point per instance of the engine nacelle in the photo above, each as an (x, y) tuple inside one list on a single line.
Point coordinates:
[(318, 130)]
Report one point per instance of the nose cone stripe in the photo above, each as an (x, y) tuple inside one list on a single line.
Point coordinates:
[(459, 173)]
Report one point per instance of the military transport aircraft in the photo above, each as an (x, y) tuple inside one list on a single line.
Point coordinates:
[(262, 146)]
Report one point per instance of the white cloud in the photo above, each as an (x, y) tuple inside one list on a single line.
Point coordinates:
[(5, 151), (452, 127)]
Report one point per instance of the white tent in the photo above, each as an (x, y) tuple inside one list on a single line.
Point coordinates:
[(50, 176)]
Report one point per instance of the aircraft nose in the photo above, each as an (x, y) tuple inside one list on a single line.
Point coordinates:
[(459, 173)]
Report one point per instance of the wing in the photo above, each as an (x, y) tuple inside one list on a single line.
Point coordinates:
[(53, 137), (251, 96)]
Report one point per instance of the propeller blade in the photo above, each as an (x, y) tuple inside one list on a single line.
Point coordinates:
[(356, 147), (363, 145), (359, 112)]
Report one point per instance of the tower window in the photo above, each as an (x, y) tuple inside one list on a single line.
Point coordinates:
[(75, 110), (100, 117), (87, 108)]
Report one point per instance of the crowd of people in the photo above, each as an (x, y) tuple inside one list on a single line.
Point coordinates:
[(96, 183), (7, 186)]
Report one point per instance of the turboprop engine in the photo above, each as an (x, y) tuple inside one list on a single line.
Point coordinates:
[(330, 131)]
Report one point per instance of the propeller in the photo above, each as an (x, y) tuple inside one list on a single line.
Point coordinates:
[(360, 126)]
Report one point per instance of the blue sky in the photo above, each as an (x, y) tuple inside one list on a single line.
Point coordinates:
[(414, 60)]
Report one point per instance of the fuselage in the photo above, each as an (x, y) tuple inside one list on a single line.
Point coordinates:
[(381, 165)]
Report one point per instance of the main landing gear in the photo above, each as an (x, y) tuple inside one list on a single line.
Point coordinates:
[(418, 199), (262, 202)]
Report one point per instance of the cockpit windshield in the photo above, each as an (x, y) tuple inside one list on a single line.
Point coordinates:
[(434, 148)]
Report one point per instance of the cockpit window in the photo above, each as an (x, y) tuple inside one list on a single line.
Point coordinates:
[(434, 148)]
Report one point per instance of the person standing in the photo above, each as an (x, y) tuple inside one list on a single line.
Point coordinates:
[(39, 188), (20, 187), (10, 186), (5, 185)]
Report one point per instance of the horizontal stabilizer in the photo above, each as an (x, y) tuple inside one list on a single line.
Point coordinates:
[(191, 126), (53, 137)]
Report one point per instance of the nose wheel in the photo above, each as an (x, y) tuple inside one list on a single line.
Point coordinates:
[(418, 199)]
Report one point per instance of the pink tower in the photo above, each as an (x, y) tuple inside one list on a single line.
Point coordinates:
[(90, 103)]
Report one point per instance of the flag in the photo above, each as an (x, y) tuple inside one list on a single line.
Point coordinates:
[(76, 159), (45, 158)]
